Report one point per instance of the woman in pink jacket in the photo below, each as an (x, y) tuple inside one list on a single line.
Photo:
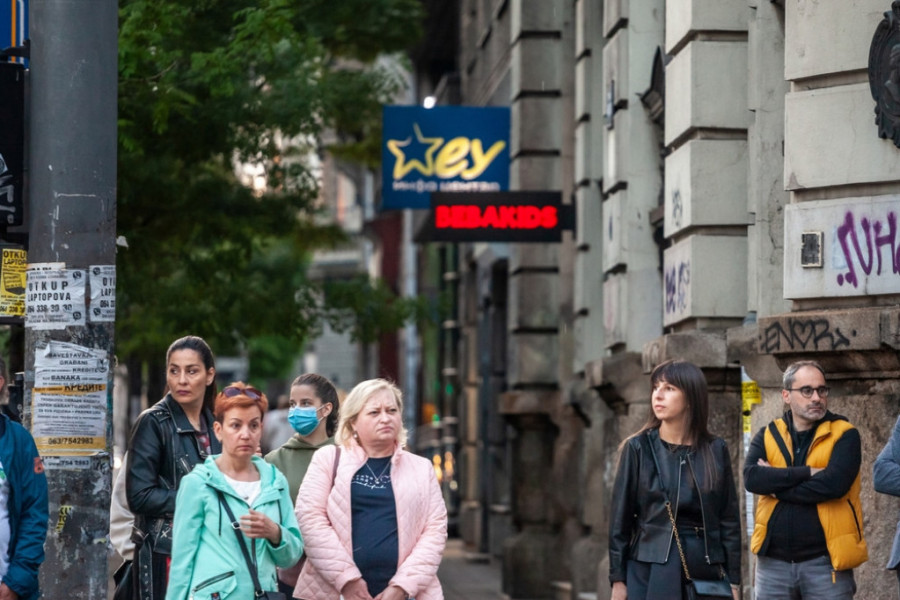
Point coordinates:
[(372, 516)]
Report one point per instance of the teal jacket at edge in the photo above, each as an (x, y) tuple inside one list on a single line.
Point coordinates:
[(28, 508), (206, 560)]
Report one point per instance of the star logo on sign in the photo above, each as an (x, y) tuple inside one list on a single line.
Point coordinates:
[(399, 149)]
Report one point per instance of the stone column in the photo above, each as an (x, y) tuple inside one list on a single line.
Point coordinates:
[(541, 52), (706, 214), (631, 179)]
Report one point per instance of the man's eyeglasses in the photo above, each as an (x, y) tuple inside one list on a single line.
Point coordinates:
[(251, 392), (807, 391)]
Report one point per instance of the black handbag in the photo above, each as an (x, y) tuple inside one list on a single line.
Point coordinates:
[(124, 580), (699, 589), (259, 594)]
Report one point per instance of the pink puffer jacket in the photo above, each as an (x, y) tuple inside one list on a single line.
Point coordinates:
[(325, 518)]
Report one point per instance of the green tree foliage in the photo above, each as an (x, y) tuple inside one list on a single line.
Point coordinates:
[(209, 83)]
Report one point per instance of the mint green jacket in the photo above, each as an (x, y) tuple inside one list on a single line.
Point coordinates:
[(206, 558)]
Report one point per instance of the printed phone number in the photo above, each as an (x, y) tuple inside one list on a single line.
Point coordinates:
[(69, 441), (48, 308)]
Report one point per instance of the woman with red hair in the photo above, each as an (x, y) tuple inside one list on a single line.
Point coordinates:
[(233, 507)]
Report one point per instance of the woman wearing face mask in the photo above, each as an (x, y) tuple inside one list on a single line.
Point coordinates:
[(313, 415)]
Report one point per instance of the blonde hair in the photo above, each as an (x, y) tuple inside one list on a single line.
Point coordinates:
[(356, 400)]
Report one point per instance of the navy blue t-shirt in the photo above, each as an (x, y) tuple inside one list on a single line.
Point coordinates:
[(375, 545)]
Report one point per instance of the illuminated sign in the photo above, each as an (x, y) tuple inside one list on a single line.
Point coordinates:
[(442, 149), (497, 217)]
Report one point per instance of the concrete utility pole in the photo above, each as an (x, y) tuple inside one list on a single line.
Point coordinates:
[(70, 294)]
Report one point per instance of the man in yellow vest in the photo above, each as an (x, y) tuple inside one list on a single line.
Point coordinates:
[(808, 533)]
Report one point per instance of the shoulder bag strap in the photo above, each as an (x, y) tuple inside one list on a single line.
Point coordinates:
[(684, 566), (678, 541), (781, 445), (236, 526)]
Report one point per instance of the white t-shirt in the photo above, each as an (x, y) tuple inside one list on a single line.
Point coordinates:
[(248, 490), (4, 522)]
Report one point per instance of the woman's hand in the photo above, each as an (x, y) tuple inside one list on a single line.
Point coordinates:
[(392, 592), (619, 591), (736, 592), (356, 590), (257, 525)]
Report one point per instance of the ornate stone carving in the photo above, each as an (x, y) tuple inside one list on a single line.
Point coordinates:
[(884, 74)]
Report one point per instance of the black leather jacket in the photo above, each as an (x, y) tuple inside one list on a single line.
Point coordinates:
[(639, 525), (163, 449)]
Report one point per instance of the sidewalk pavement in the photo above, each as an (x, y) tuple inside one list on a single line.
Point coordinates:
[(463, 575), (468, 576)]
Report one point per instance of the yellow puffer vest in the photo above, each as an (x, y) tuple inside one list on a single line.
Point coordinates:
[(841, 518)]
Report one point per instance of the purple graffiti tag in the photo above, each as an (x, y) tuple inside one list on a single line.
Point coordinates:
[(848, 229), (677, 283), (671, 288), (684, 283), (888, 239)]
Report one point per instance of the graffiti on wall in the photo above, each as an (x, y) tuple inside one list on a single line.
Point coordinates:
[(871, 247), (677, 208), (678, 287), (803, 334)]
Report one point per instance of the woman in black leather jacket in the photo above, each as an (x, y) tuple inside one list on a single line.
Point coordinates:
[(673, 456), (167, 440)]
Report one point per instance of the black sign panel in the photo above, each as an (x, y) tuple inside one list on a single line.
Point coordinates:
[(520, 217), (12, 142)]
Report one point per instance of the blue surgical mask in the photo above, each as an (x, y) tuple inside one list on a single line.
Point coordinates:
[(304, 419)]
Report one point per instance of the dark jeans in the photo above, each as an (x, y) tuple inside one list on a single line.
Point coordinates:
[(812, 579)]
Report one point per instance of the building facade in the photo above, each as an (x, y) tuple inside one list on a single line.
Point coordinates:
[(736, 207)]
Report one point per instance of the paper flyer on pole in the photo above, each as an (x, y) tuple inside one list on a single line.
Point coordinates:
[(103, 293), (12, 282), (69, 400), (54, 298)]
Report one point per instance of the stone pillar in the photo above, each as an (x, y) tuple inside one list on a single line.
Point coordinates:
[(529, 555), (840, 241), (588, 158), (541, 52), (766, 197), (706, 124), (631, 175)]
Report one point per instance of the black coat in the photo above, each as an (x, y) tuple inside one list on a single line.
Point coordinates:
[(639, 525), (162, 450)]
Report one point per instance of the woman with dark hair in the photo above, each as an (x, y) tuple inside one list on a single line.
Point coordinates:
[(313, 415), (167, 440), (233, 518), (673, 470)]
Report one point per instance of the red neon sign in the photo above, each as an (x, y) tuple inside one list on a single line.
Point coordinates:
[(521, 217), (470, 216)]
